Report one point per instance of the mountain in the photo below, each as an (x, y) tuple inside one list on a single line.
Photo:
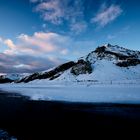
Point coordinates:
[(105, 63), (8, 78)]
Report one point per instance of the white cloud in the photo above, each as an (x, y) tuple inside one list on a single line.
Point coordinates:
[(10, 44), (51, 11), (39, 43), (107, 14), (78, 27), (58, 11)]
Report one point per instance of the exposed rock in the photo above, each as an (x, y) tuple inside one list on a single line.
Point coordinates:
[(129, 62), (100, 50), (55, 76), (5, 80), (81, 67)]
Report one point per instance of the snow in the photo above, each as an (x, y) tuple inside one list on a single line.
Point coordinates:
[(118, 49), (95, 93)]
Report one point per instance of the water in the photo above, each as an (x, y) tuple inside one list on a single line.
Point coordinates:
[(29, 120)]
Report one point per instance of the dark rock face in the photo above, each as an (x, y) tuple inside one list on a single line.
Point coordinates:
[(5, 80), (81, 67), (50, 74), (100, 50), (129, 62)]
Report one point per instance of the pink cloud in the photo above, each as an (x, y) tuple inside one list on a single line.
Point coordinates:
[(38, 43), (10, 44)]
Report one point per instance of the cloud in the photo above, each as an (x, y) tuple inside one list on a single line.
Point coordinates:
[(26, 63), (10, 44), (39, 43), (56, 11), (73, 14), (33, 53), (78, 27), (107, 14), (60, 12), (51, 11), (40, 51)]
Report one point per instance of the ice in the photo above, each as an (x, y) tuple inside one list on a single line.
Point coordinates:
[(97, 93)]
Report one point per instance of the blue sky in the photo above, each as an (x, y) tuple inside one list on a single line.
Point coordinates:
[(38, 34)]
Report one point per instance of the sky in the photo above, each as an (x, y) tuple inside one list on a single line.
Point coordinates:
[(36, 35)]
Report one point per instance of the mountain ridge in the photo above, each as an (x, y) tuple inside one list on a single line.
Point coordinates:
[(105, 63), (118, 61)]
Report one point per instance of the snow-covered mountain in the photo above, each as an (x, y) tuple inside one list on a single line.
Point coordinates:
[(105, 63), (7, 78)]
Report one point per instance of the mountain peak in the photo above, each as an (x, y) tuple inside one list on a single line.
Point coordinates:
[(108, 45)]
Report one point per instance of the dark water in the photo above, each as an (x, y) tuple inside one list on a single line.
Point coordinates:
[(29, 120)]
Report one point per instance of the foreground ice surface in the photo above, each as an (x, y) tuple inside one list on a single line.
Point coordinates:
[(101, 93)]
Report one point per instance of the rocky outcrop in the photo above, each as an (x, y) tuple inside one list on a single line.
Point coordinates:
[(81, 67), (5, 80), (128, 62)]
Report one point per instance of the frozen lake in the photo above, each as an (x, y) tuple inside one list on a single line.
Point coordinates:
[(129, 93)]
